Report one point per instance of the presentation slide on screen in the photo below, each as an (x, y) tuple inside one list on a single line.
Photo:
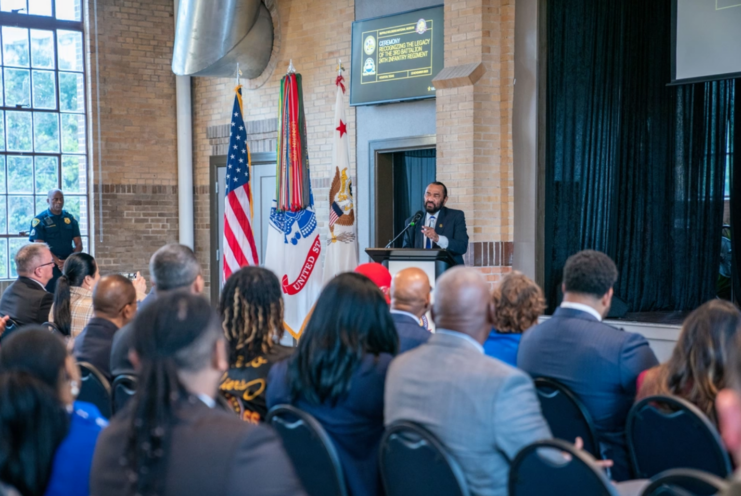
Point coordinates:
[(395, 58), (708, 38)]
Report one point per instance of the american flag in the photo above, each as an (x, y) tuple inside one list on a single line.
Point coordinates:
[(239, 240), (335, 212)]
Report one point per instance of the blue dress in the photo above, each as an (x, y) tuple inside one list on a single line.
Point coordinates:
[(70, 473), (503, 346), (355, 423)]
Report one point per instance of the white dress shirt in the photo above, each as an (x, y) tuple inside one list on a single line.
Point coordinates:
[(583, 308), (443, 241)]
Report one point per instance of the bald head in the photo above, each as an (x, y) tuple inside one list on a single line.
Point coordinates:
[(114, 299), (463, 303), (410, 291), (55, 199)]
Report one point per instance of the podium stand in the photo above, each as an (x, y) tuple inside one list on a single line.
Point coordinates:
[(433, 262)]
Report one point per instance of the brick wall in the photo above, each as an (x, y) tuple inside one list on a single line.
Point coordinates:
[(314, 34), (138, 131), (474, 128)]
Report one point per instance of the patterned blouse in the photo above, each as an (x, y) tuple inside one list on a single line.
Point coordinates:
[(81, 309)]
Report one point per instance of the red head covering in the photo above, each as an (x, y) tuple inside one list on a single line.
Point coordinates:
[(380, 276)]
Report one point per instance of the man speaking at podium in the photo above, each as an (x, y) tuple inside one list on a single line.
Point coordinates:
[(442, 227)]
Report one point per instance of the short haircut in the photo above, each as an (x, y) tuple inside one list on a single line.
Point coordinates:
[(445, 188), (174, 266), (27, 257), (589, 272)]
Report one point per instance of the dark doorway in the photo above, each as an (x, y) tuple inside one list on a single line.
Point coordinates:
[(402, 177)]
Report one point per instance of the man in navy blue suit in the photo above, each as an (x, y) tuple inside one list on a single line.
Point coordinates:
[(442, 227), (410, 300), (598, 362)]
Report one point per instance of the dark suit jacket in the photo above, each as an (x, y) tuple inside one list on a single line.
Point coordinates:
[(93, 345), (599, 363), (26, 302), (122, 341), (411, 334), (211, 452), (449, 223), (355, 423)]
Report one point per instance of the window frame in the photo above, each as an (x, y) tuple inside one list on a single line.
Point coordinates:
[(47, 23)]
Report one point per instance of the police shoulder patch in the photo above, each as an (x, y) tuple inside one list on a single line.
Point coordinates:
[(67, 220), (35, 222)]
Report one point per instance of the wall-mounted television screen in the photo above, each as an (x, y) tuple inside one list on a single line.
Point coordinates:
[(395, 57)]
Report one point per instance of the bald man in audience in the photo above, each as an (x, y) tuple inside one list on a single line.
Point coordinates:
[(114, 305), (410, 300), (482, 410)]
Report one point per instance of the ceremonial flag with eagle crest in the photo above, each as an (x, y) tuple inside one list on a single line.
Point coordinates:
[(342, 244), (294, 245)]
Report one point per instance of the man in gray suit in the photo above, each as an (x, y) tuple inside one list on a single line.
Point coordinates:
[(483, 410)]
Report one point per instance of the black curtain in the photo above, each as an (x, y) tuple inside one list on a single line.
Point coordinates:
[(413, 171), (735, 180), (634, 168)]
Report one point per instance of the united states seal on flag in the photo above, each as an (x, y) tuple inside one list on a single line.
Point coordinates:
[(342, 244), (239, 240)]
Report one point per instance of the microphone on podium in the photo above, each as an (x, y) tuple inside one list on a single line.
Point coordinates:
[(417, 217)]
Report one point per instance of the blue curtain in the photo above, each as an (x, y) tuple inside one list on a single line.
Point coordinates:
[(413, 171), (634, 168)]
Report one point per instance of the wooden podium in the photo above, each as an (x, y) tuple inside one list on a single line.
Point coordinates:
[(433, 262)]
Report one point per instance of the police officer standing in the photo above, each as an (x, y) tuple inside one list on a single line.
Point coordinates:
[(59, 229)]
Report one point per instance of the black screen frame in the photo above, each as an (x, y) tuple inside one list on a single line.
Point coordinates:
[(699, 79), (352, 58)]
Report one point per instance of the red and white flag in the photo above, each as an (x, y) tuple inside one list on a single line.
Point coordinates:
[(239, 240), (342, 244)]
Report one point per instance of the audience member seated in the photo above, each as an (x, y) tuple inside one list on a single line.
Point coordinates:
[(728, 408), (174, 268), (42, 354), (171, 440), (410, 300), (252, 318), (114, 305), (338, 371), (518, 302), (596, 361), (26, 301), (696, 370), (73, 297), (379, 274), (481, 409), (32, 424)]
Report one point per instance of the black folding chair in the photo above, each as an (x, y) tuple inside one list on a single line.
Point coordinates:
[(661, 428), (122, 390), (685, 481), (414, 462), (540, 469), (95, 388), (310, 449), (567, 417)]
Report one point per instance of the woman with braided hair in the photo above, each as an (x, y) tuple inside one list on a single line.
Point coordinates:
[(172, 439), (252, 319)]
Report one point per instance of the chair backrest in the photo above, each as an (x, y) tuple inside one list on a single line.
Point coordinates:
[(536, 471), (681, 481), (659, 430), (310, 449), (122, 390), (414, 461), (95, 388), (567, 417)]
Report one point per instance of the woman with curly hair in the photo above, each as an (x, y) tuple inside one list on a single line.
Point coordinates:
[(518, 302), (697, 369), (252, 319)]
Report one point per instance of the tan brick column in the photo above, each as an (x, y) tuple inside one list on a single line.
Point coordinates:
[(474, 117)]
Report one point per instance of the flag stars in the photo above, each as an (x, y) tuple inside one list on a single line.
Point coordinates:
[(232, 155), (235, 147), (236, 114), (241, 127), (233, 124), (241, 160), (239, 170)]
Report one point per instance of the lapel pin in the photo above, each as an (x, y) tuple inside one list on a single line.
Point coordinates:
[(441, 225)]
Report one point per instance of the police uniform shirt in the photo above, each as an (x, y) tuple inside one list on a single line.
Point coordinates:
[(58, 231)]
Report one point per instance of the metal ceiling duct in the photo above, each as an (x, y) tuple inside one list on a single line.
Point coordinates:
[(213, 36)]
